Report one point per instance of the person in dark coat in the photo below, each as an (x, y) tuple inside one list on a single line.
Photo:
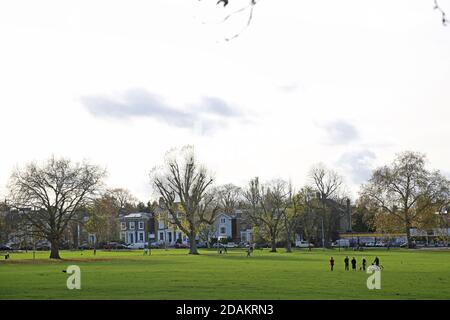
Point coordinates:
[(331, 263), (376, 261), (363, 264), (346, 263), (354, 264)]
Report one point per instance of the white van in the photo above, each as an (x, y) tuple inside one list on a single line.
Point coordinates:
[(341, 243)]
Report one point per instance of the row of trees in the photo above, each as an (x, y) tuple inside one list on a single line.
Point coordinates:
[(58, 193)]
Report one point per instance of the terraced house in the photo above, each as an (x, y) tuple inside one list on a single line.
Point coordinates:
[(137, 227)]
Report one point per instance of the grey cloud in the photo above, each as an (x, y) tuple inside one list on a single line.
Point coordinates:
[(341, 132), (357, 164), (219, 107), (210, 114)]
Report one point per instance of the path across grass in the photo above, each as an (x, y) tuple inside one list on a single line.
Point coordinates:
[(173, 274)]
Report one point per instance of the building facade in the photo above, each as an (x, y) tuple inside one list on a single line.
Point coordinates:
[(137, 228)]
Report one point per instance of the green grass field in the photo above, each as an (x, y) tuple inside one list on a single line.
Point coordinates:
[(174, 274)]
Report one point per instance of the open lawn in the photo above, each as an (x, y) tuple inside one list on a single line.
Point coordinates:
[(173, 274)]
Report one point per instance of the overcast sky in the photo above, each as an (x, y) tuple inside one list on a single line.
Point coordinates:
[(348, 83)]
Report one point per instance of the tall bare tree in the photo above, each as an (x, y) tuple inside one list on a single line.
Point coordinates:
[(406, 189), (229, 197), (124, 200), (266, 205), (185, 187), (54, 191), (326, 181)]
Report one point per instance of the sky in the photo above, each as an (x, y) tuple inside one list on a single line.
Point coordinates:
[(345, 83)]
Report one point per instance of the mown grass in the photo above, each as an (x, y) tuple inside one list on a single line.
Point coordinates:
[(173, 274)]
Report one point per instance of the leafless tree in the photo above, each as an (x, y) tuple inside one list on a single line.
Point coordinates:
[(266, 206), (124, 200), (249, 7), (229, 197), (406, 189), (437, 7), (185, 187), (327, 182), (53, 192)]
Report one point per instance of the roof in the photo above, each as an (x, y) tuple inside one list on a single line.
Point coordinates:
[(137, 215)]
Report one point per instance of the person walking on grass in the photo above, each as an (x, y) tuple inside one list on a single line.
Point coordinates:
[(377, 261), (363, 264), (354, 264), (331, 263)]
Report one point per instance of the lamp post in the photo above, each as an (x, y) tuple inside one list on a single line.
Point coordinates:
[(444, 213)]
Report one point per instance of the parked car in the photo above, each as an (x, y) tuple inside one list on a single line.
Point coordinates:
[(231, 245), (5, 248), (370, 244), (261, 245), (181, 246), (43, 246), (303, 244), (244, 245), (137, 245), (380, 244), (85, 246), (115, 246)]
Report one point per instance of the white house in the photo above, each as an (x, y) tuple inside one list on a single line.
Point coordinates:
[(169, 234)]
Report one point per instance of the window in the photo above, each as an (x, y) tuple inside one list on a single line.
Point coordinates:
[(161, 236), (223, 230), (222, 220), (141, 237), (141, 225), (132, 225), (123, 226), (170, 236)]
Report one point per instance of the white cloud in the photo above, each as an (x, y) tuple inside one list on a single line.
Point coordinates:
[(379, 66)]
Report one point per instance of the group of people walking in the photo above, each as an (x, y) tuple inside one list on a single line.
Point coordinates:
[(353, 262)]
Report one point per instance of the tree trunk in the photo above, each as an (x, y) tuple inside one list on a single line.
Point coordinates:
[(288, 242), (54, 250), (274, 245), (289, 246), (408, 236), (192, 245)]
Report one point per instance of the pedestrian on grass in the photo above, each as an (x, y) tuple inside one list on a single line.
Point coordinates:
[(363, 264), (346, 263), (354, 264), (377, 261), (331, 263)]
